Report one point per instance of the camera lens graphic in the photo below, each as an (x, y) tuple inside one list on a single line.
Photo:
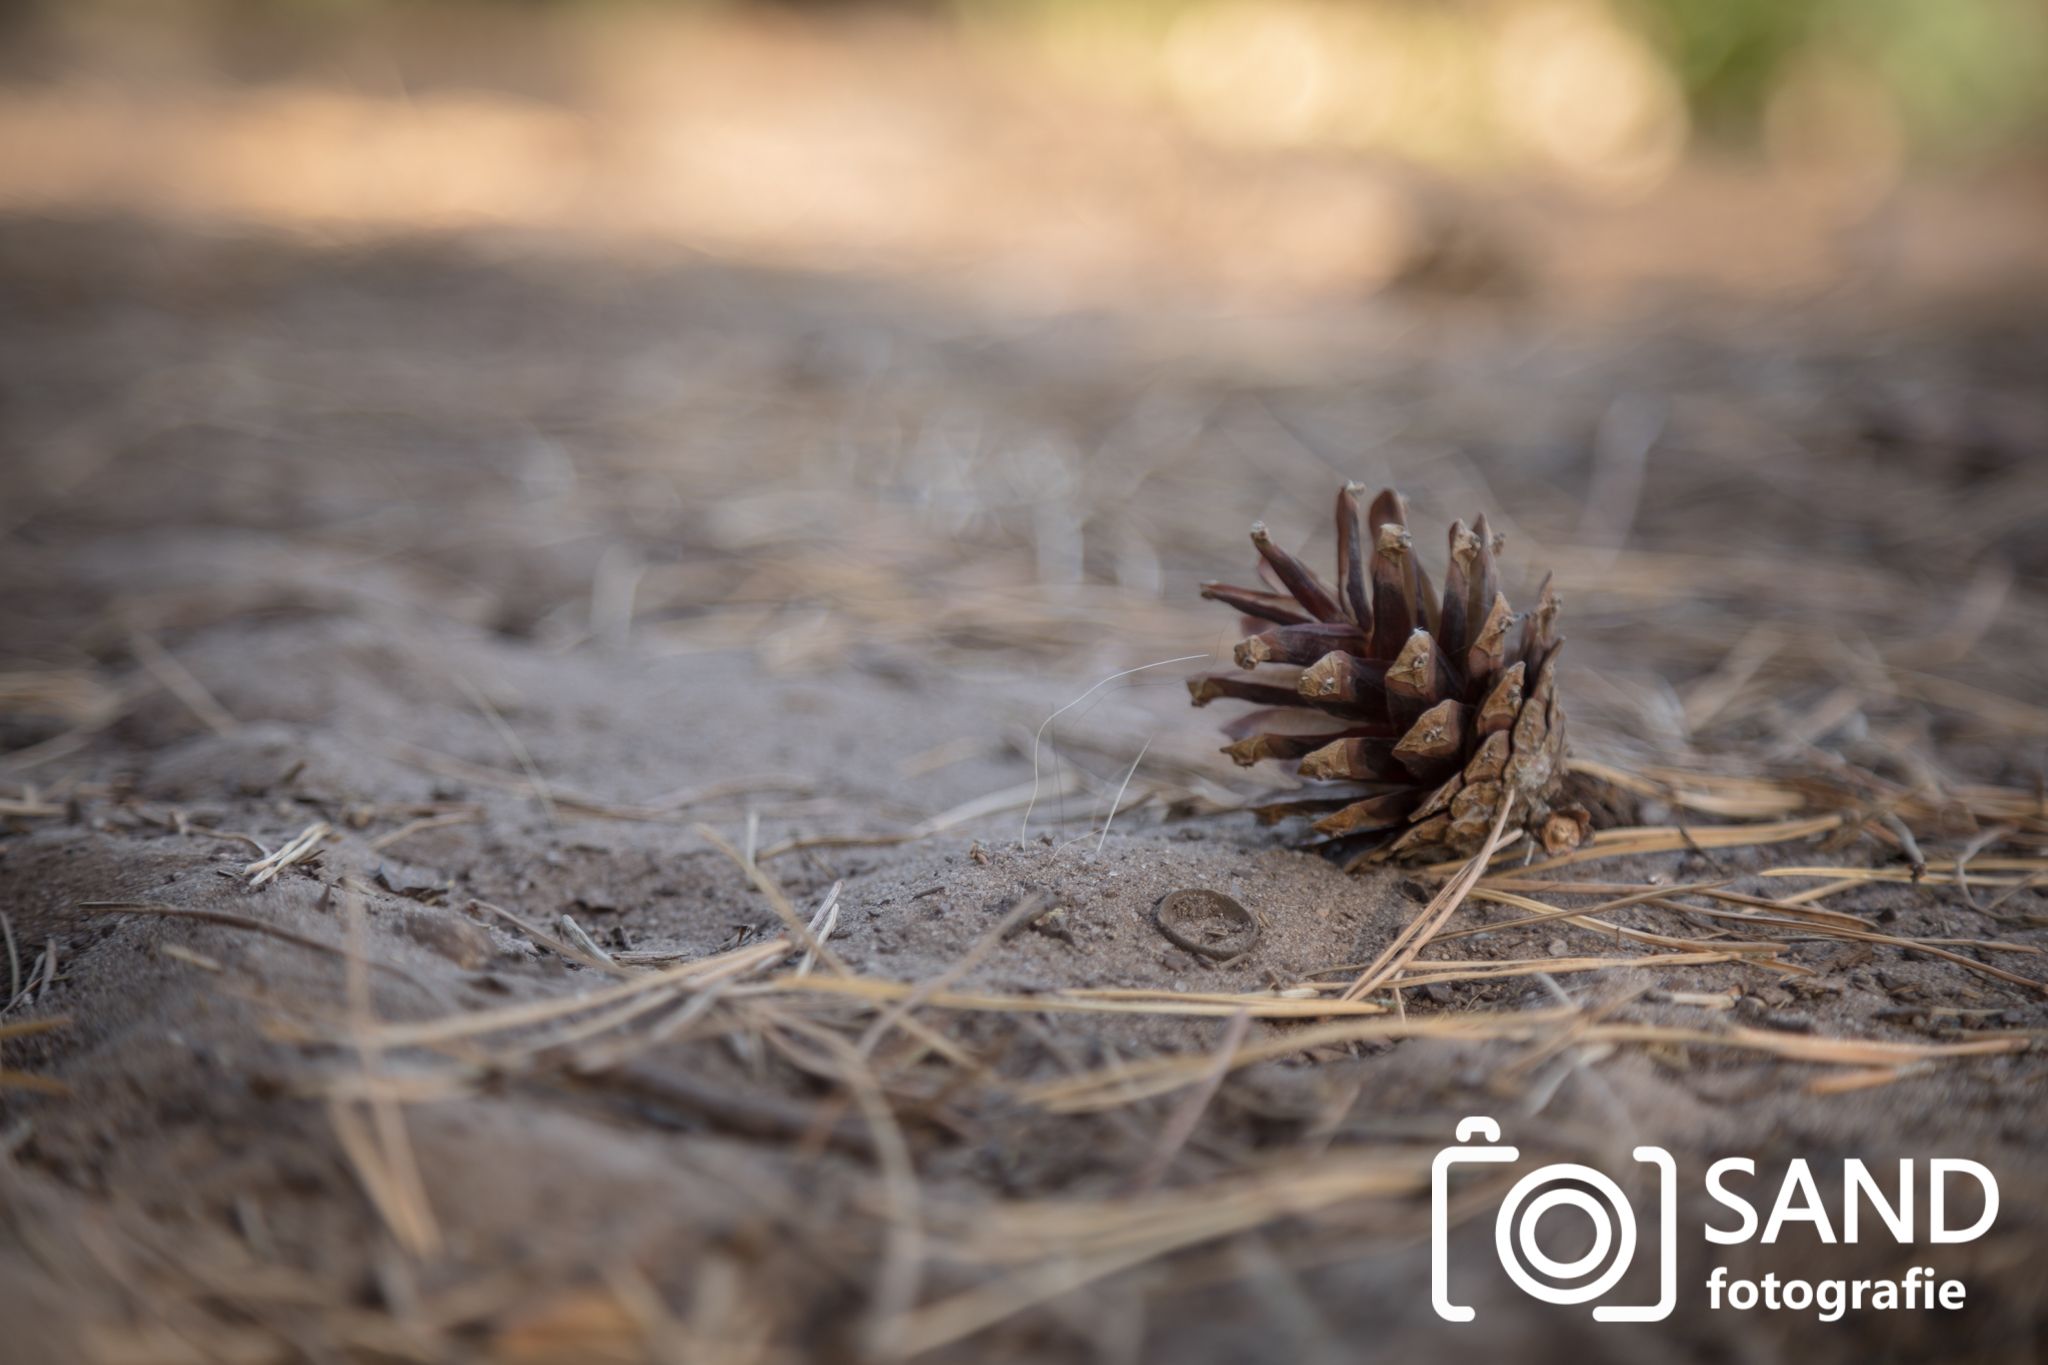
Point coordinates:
[(1614, 1229)]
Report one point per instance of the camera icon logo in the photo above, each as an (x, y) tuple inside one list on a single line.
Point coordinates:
[(1593, 1193)]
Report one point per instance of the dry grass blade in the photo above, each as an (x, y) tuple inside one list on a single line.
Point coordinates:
[(1737, 798), (582, 939), (538, 783), (601, 962), (23, 1080), (422, 825), (11, 1079), (1451, 973), (662, 809), (28, 808), (823, 921), (478, 1023), (71, 695), (995, 803), (1750, 951), (1162, 1002), (1116, 802), (1067, 1245), (1633, 840), (1753, 797), (1181, 1126), (1441, 907), (1940, 867), (1913, 945), (1870, 1078), (1111, 1087), (1490, 885), (777, 900), (301, 847), (1030, 909), (901, 1268), (1031, 801), (1504, 889), (2005, 712), (228, 919), (28, 1028), (379, 1149), (179, 682)]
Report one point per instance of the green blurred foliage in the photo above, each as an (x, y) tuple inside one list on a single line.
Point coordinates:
[(1729, 54), (1960, 70)]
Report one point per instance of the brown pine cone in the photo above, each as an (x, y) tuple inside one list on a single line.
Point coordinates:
[(1414, 714)]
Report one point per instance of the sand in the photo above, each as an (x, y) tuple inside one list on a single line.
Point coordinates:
[(511, 569)]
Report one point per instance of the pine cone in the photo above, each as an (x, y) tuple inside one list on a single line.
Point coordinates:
[(1414, 714)]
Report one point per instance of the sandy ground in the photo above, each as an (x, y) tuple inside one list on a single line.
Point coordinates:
[(515, 569)]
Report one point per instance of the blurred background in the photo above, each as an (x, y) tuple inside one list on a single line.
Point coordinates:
[(980, 331), (1061, 152)]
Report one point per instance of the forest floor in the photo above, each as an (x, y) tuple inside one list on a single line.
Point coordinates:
[(448, 682)]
